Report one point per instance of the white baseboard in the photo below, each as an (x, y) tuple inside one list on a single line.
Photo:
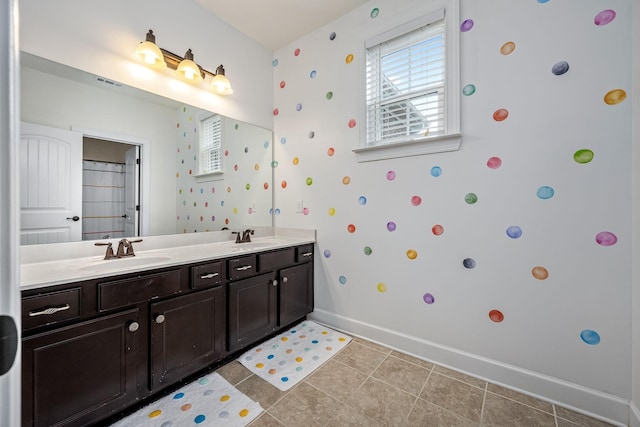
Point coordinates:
[(634, 415), (596, 404)]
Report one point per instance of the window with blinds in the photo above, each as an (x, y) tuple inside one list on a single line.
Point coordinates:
[(210, 149), (405, 84)]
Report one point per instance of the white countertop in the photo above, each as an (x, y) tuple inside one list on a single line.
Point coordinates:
[(48, 265)]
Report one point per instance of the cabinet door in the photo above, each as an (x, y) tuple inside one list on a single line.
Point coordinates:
[(253, 310), (187, 334), (81, 373), (296, 293)]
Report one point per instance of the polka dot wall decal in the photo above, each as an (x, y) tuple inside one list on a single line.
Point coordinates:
[(349, 58), (274, 62), (604, 17), (327, 253), (507, 48), (362, 200), (312, 134), (543, 1), (615, 96), (560, 68), (223, 415), (381, 287), (283, 184), (436, 171), (437, 230), (545, 192), (282, 84), (367, 250), (342, 280), (178, 396), (296, 52), (274, 164), (329, 95), (243, 413), (351, 228), (583, 156), (514, 232), (470, 198), (494, 162), (313, 74), (346, 180), (332, 36), (469, 263), (154, 414), (590, 337), (331, 151), (540, 272), (412, 254), (391, 175), (332, 211), (496, 316), (305, 211), (606, 238), (186, 407), (283, 140), (309, 181), (374, 13), (428, 298), (416, 200), (298, 107), (469, 90), (295, 160), (466, 25), (276, 111), (500, 114), (391, 226), (352, 123)]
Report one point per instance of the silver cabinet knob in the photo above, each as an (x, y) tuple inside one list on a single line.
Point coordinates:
[(274, 283), (134, 326), (285, 280), (160, 318)]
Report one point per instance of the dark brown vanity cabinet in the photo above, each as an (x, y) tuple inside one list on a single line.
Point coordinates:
[(76, 374), (187, 334)]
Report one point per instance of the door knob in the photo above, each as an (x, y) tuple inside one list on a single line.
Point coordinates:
[(285, 280), (75, 218), (275, 283), (160, 318), (134, 326)]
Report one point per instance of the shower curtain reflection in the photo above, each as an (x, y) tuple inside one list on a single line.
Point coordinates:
[(103, 200)]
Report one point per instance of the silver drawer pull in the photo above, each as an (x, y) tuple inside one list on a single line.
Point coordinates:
[(243, 268), (209, 276), (306, 254), (52, 310)]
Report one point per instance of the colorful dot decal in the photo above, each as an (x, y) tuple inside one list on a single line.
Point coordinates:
[(362, 200), (560, 68), (155, 413), (199, 419), (351, 228), (507, 48), (367, 250), (494, 162), (615, 96), (469, 263), (331, 151), (514, 232), (346, 180), (436, 171), (416, 200), (313, 74), (391, 175), (352, 123), (437, 230), (349, 58), (545, 192), (412, 254), (428, 298), (374, 12), (604, 17), (391, 226), (466, 25), (327, 253), (540, 273), (342, 280), (496, 316), (332, 211), (329, 95), (590, 337), (381, 287), (500, 115), (469, 90), (606, 238), (332, 36), (470, 198), (296, 52), (282, 84), (309, 181), (583, 156)]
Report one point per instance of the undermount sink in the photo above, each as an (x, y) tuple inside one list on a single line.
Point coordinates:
[(126, 262), (249, 246)]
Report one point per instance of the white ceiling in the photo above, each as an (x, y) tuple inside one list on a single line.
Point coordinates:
[(277, 23)]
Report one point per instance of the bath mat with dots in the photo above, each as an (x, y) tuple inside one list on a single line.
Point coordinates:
[(209, 401), (288, 358)]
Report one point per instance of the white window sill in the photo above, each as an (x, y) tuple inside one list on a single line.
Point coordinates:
[(212, 176), (431, 145)]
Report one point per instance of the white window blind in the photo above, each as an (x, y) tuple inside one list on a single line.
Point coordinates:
[(210, 150), (405, 85)]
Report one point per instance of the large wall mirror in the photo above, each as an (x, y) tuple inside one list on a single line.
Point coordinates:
[(117, 124)]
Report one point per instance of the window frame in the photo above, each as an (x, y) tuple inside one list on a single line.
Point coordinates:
[(452, 138), (213, 173)]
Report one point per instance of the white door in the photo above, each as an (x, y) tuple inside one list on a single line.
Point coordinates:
[(131, 191), (50, 185)]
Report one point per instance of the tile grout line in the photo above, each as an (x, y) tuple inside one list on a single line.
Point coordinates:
[(484, 401)]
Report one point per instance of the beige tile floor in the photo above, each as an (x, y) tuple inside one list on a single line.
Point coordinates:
[(370, 385)]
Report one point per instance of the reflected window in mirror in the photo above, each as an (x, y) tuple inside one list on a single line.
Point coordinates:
[(210, 145)]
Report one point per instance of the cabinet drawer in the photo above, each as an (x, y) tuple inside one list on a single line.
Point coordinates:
[(49, 308), (121, 293), (242, 267), (207, 275), (304, 253), (273, 260)]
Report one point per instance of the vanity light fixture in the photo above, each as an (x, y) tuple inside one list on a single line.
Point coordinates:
[(185, 67)]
